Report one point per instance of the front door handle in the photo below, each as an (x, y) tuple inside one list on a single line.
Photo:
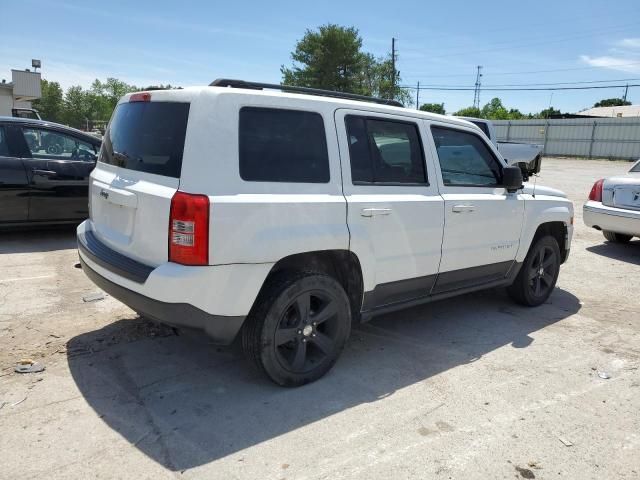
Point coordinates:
[(44, 173), (462, 208), (370, 212)]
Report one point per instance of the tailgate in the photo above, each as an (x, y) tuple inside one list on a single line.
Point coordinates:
[(137, 174)]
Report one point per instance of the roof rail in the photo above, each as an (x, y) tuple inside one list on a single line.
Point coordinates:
[(226, 82)]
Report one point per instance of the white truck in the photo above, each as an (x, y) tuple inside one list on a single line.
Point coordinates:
[(528, 156), (264, 212)]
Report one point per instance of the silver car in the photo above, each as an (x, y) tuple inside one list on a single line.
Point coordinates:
[(614, 206)]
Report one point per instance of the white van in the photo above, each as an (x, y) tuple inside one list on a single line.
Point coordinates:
[(284, 217)]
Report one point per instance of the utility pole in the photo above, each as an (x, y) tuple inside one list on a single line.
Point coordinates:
[(476, 93), (393, 66), (626, 90), (418, 96)]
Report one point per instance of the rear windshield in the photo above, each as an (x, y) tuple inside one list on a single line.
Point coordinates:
[(147, 137), (482, 126)]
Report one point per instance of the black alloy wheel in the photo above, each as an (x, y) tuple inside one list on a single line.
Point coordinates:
[(539, 273), (298, 327)]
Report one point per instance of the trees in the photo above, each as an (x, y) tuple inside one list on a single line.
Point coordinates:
[(331, 58), (611, 102), (79, 107), (433, 107), (50, 105), (469, 112), (548, 112)]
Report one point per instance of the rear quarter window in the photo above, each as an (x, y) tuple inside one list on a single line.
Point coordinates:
[(147, 137), (278, 145)]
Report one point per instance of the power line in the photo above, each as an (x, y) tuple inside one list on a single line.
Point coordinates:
[(537, 84), (469, 89), (539, 71)]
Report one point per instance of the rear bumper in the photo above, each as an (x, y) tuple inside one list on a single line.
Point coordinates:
[(213, 298), (222, 329), (618, 220)]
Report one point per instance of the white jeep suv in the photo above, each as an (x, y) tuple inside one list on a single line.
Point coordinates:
[(255, 210)]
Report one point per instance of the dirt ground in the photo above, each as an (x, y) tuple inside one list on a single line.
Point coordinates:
[(471, 387)]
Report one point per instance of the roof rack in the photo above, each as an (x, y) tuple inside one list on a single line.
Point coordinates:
[(226, 82)]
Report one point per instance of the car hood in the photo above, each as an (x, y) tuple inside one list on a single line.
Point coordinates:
[(542, 190)]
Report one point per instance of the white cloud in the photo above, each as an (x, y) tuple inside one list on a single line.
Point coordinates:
[(629, 43), (620, 64)]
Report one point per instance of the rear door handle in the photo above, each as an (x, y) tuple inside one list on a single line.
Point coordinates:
[(44, 173), (370, 212), (462, 208)]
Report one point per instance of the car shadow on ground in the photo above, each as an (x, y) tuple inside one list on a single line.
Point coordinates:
[(625, 252), (38, 240), (185, 403)]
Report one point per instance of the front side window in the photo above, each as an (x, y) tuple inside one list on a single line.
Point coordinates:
[(53, 145), (277, 145), (465, 159), (385, 151)]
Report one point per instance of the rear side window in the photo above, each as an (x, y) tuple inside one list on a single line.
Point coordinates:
[(4, 146), (282, 146), (147, 137), (465, 159), (385, 151)]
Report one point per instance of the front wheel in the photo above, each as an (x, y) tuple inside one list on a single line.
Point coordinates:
[(298, 327), (538, 274), (616, 237)]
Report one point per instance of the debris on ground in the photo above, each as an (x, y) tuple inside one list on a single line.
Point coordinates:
[(565, 442), (94, 297), (18, 402), (525, 472), (604, 375), (26, 365)]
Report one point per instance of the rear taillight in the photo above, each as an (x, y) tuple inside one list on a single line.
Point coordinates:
[(189, 229), (596, 191), (140, 97)]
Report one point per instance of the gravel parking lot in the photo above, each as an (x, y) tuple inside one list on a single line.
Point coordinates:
[(471, 387)]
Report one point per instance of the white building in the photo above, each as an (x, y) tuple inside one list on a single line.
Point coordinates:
[(20, 92), (622, 111)]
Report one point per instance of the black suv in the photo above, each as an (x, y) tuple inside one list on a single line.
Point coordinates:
[(44, 172)]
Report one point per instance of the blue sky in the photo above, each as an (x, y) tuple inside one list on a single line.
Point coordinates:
[(439, 43)]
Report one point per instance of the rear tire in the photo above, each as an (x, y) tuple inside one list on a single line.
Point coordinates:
[(616, 237), (539, 273), (297, 328)]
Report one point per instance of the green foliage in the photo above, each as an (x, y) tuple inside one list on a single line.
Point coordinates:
[(547, 112), (611, 102), (433, 107), (494, 110), (50, 105), (78, 107), (469, 112), (331, 58)]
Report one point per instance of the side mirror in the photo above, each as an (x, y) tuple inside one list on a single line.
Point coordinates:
[(512, 178)]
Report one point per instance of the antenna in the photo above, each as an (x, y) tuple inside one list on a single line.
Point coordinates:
[(476, 93)]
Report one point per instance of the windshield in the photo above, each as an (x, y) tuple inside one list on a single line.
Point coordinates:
[(147, 137)]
